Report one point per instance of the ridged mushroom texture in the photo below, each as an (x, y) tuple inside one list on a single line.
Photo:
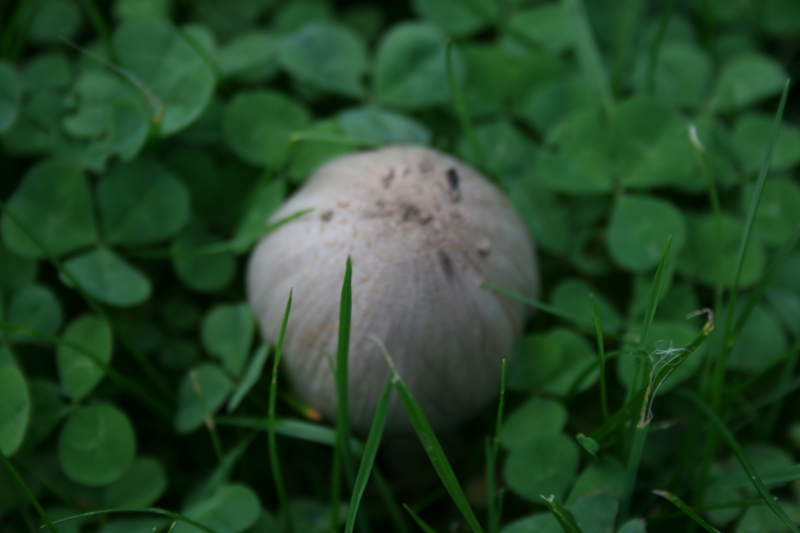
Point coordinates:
[(424, 231)]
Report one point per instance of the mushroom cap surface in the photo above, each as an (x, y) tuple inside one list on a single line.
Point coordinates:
[(423, 231)]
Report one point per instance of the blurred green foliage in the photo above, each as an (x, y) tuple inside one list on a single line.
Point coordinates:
[(145, 143)]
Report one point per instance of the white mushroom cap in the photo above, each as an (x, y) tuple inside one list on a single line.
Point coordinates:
[(424, 231)]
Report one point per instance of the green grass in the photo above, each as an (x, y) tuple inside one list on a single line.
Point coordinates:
[(585, 115)]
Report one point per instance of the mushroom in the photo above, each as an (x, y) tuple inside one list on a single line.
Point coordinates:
[(424, 231)]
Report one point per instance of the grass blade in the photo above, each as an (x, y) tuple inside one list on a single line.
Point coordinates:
[(713, 195), (118, 378), (293, 428), (652, 57), (147, 510), (752, 301), (158, 379), (420, 522), (748, 228), (15, 30), (591, 446), (686, 509), (632, 468), (620, 418), (672, 359), (589, 54), (431, 444), (247, 234), (737, 449), (28, 493), (342, 456), (273, 444), (770, 476), (222, 473), (789, 368), (758, 291), (251, 377), (655, 294), (541, 306), (100, 27), (500, 405), (368, 459), (396, 514), (784, 388), (567, 521), (494, 497), (602, 354), (342, 369), (208, 416), (463, 115), (716, 383)]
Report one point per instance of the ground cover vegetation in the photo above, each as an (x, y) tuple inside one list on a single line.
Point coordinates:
[(651, 148)]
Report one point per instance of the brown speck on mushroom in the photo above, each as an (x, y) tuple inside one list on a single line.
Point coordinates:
[(452, 178), (447, 264), (387, 179), (410, 212), (453, 182), (327, 215)]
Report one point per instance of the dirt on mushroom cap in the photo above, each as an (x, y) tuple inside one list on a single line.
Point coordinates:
[(424, 231)]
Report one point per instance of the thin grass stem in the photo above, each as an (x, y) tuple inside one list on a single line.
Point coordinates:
[(463, 114), (655, 295), (632, 469), (628, 22), (549, 309), (208, 416), (368, 458), (431, 444), (589, 54), (789, 368), (686, 509), (158, 379), (145, 510), (201, 51), (652, 57), (342, 451), (292, 428), (715, 384), (100, 27), (31, 497), (601, 351), (273, 444), (748, 228), (713, 195), (640, 430), (492, 450), (770, 476), (660, 371), (118, 378), (398, 518), (564, 518), (620, 418), (420, 522), (153, 99), (737, 449), (758, 291), (7, 48)]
